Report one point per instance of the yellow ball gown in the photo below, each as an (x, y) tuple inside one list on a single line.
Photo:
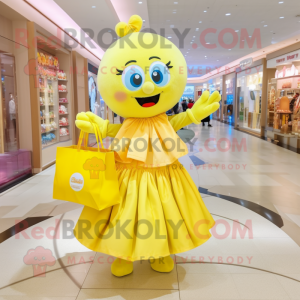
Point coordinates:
[(161, 211)]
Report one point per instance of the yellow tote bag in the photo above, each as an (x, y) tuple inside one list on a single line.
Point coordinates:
[(86, 175)]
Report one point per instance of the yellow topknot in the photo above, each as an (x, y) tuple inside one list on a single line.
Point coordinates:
[(135, 24)]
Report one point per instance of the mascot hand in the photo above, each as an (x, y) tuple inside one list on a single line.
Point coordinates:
[(84, 122), (205, 106)]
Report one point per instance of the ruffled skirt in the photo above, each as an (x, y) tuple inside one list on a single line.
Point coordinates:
[(161, 213)]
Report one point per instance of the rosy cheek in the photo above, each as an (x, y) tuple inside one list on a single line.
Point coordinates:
[(120, 96)]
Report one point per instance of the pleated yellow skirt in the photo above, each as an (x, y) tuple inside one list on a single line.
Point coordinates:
[(161, 213)]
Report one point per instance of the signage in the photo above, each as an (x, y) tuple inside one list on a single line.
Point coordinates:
[(284, 59), (246, 63)]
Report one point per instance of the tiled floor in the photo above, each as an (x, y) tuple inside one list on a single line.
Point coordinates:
[(247, 257)]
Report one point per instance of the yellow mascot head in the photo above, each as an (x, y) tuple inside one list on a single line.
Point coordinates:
[(142, 74)]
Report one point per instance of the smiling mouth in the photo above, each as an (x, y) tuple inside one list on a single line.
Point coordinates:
[(148, 101)]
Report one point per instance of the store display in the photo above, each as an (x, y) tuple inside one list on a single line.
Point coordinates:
[(63, 110), (63, 122), (61, 75), (63, 132), (47, 60), (49, 77), (62, 88)]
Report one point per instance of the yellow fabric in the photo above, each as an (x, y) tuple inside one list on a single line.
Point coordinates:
[(156, 196), (192, 117), (135, 24), (87, 176), (113, 129), (180, 120), (150, 142)]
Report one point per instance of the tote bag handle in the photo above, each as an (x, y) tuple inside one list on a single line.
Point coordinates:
[(84, 137)]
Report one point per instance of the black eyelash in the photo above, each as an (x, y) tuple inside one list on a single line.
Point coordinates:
[(120, 72), (168, 65)]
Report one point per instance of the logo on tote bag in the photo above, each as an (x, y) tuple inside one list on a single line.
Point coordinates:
[(94, 165), (76, 182)]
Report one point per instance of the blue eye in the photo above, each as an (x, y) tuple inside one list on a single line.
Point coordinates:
[(133, 77), (159, 73)]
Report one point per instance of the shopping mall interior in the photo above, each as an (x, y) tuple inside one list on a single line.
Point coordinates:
[(217, 216)]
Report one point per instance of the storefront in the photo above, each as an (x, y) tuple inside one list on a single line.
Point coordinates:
[(228, 97), (15, 130), (212, 85), (249, 98), (283, 109)]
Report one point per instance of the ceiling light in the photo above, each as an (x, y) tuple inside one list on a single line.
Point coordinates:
[(169, 37), (227, 14), (191, 42), (187, 52), (217, 60), (205, 56), (265, 25), (174, 12), (175, 2), (280, 2), (207, 43), (236, 31), (140, 2), (144, 21), (205, 11), (229, 49), (200, 21), (93, 6), (281, 17), (197, 29)]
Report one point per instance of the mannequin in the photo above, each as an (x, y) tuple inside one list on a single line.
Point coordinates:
[(12, 113)]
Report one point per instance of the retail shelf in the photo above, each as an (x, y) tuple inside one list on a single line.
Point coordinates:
[(62, 79), (63, 114), (63, 102), (62, 91), (64, 135), (64, 125), (52, 130)]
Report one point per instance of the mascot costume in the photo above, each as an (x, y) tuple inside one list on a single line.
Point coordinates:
[(141, 76)]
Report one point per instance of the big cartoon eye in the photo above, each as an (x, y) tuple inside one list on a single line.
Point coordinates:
[(133, 77), (159, 73)]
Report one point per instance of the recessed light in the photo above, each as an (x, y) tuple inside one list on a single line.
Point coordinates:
[(217, 60), (227, 14), (205, 11), (175, 2), (174, 12), (281, 17), (93, 6), (187, 52), (236, 31), (144, 21), (280, 2), (205, 56), (197, 29), (191, 42), (229, 49), (169, 37), (140, 2), (194, 36), (265, 25), (200, 21), (207, 43)]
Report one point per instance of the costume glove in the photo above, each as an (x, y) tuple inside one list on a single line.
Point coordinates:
[(204, 106), (84, 122)]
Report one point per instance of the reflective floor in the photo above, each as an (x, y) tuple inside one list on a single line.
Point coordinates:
[(249, 256)]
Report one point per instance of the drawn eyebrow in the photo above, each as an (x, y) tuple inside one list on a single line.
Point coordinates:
[(154, 57), (130, 62)]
